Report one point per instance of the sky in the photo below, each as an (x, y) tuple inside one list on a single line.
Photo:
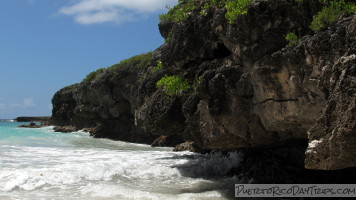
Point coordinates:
[(46, 45)]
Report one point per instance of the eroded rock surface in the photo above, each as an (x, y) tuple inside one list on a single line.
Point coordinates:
[(248, 88), (332, 140)]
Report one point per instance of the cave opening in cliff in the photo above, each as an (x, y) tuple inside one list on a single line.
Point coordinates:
[(221, 51)]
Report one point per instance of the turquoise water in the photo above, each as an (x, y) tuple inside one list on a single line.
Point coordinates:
[(40, 164)]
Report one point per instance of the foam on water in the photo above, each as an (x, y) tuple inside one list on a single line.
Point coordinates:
[(41, 164)]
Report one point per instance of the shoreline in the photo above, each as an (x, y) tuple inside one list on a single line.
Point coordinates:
[(278, 165)]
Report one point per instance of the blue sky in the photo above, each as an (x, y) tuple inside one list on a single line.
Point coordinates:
[(49, 44)]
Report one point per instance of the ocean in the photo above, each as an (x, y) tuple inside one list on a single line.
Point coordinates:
[(38, 164)]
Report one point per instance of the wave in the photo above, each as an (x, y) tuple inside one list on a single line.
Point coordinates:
[(119, 174), (7, 120), (42, 164)]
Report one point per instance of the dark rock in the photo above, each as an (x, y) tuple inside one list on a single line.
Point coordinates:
[(188, 146), (332, 140), (44, 121), (32, 119), (32, 125), (167, 141), (250, 89), (284, 164), (89, 130), (65, 129)]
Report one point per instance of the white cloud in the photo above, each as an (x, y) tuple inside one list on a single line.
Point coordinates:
[(100, 11), (28, 102)]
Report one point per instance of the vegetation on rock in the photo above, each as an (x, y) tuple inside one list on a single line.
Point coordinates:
[(236, 8), (197, 82), (93, 76), (180, 12), (168, 38), (70, 87), (235, 70), (331, 12), (173, 85), (138, 61), (292, 39), (159, 65)]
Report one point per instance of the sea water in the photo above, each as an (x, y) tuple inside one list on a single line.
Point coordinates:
[(41, 164)]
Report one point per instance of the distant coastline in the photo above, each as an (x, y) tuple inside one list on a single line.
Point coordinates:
[(43, 119)]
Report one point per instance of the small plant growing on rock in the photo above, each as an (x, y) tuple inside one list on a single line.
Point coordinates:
[(180, 11), (236, 8), (173, 85), (292, 39), (326, 16), (169, 36), (197, 82), (159, 65), (331, 12)]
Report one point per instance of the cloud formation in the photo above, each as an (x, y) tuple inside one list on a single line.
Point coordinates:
[(27, 102), (117, 11)]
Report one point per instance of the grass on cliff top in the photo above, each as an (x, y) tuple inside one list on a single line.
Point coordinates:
[(139, 61), (69, 88), (182, 10), (93, 76), (330, 12)]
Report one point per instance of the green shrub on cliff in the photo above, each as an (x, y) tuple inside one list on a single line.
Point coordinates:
[(236, 8), (180, 11), (173, 85), (331, 12), (211, 4), (292, 39), (93, 76), (169, 37), (138, 61)]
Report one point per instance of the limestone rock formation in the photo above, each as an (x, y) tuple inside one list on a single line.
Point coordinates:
[(249, 89), (332, 140)]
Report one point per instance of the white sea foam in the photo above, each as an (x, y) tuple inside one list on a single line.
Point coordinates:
[(76, 166), (312, 145)]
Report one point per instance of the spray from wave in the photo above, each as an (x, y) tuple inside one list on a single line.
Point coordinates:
[(75, 166)]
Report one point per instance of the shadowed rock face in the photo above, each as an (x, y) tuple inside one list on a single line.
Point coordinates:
[(252, 91), (333, 138)]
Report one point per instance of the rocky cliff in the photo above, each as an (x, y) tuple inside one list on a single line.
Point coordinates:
[(248, 87)]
